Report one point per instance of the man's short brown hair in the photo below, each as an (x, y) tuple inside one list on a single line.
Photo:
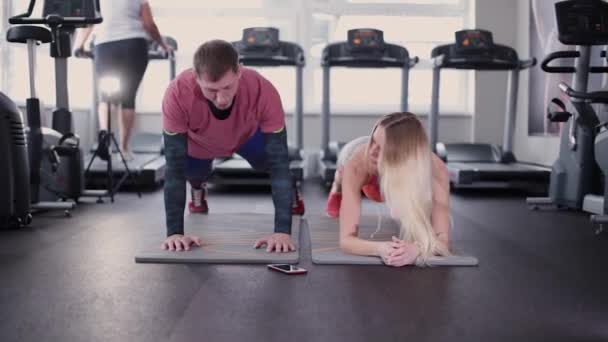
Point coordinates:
[(214, 58)]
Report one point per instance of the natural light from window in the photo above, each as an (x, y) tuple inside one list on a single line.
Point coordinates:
[(311, 24)]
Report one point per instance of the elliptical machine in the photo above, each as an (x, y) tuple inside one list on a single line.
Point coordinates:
[(14, 167), (575, 176)]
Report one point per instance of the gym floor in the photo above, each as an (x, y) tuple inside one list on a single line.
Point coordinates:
[(542, 276)]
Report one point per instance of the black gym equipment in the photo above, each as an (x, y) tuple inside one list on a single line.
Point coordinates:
[(147, 168), (14, 167), (365, 48), (54, 161), (53, 157), (478, 164), (109, 140), (576, 175)]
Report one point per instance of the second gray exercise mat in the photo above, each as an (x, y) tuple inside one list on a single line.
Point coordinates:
[(325, 243), (227, 238)]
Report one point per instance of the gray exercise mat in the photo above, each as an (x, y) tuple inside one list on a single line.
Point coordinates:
[(227, 239), (326, 250)]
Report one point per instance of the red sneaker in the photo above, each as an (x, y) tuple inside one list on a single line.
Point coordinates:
[(297, 208), (333, 204), (198, 204)]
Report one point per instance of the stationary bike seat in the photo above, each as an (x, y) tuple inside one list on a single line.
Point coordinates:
[(21, 34)]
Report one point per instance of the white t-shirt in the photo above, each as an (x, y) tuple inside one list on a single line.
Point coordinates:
[(121, 20)]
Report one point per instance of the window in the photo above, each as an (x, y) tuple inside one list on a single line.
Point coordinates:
[(192, 22), (419, 25), (191, 31)]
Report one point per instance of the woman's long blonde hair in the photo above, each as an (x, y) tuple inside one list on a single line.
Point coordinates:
[(404, 167)]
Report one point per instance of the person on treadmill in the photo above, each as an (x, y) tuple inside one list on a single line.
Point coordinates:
[(394, 165), (121, 50), (213, 110)]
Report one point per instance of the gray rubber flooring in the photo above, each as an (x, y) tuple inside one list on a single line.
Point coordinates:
[(542, 277)]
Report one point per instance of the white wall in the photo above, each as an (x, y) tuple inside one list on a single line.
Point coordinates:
[(509, 23), (542, 150), (491, 86)]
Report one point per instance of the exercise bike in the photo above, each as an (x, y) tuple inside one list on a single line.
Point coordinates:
[(52, 173), (576, 175)]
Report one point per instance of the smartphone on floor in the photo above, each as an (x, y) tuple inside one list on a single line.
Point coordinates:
[(287, 269)]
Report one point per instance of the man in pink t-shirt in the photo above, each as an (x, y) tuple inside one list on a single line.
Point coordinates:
[(214, 110)]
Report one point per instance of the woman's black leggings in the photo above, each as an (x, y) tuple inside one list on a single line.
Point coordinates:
[(125, 59)]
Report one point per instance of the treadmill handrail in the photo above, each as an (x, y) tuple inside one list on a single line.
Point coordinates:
[(390, 56), (153, 54), (413, 61), (440, 62), (283, 54), (570, 69), (382, 62), (594, 96), (527, 63), (261, 60), (559, 55)]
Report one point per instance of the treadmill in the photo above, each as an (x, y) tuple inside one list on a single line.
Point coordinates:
[(365, 48), (261, 47), (148, 164), (479, 165)]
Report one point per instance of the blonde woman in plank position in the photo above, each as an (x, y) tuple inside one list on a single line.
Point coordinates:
[(394, 165)]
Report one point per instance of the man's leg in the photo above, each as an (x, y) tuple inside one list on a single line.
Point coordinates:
[(127, 121), (132, 66), (253, 150), (197, 174)]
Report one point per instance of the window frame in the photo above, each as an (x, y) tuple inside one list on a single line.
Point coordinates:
[(330, 8), (302, 13)]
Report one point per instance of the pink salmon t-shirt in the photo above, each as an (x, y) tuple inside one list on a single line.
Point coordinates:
[(257, 104)]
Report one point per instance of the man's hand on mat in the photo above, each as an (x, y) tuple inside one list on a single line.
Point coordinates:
[(179, 242), (402, 253), (279, 242)]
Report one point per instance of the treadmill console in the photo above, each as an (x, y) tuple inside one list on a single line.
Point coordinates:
[(475, 50), (474, 41), (260, 37), (582, 22), (365, 39), (260, 46), (71, 8), (365, 48)]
